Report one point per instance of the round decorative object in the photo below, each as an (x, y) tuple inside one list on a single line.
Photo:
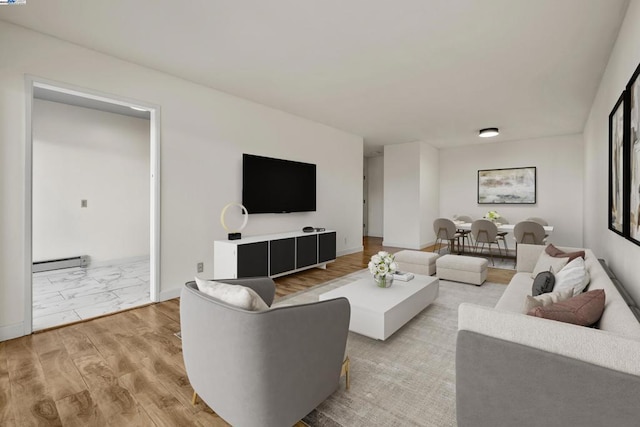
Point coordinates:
[(383, 281), (244, 212)]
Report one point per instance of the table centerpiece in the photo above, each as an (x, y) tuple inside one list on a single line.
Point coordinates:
[(382, 266), (492, 216)]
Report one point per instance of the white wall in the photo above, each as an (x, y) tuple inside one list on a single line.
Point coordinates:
[(402, 195), (622, 256), (81, 153), (375, 200), (203, 135), (429, 192), (410, 194), (559, 163)]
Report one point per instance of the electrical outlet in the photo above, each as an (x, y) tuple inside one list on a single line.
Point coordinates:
[(200, 267), (83, 203)]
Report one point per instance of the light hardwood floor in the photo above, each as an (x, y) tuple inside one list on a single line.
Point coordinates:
[(125, 369)]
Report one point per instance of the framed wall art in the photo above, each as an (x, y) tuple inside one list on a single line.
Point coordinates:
[(617, 160), (632, 107), (507, 186)]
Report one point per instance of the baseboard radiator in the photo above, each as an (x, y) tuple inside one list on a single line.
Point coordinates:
[(57, 264)]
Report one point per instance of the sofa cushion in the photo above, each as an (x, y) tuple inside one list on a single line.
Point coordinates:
[(558, 253), (543, 283), (584, 309), (236, 295), (544, 300), (574, 276), (547, 263), (514, 294)]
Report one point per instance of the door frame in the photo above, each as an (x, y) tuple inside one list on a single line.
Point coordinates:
[(154, 166)]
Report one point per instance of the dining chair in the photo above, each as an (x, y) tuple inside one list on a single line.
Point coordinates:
[(485, 232), (465, 234), (445, 229), (540, 221), (529, 232)]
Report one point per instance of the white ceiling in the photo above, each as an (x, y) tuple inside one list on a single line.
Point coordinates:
[(390, 71)]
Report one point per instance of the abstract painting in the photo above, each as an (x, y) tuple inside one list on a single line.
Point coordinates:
[(507, 186), (616, 167), (633, 96)]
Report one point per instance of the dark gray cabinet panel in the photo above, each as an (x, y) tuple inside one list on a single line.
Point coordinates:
[(273, 255), (307, 251), (326, 247), (283, 255), (253, 259)]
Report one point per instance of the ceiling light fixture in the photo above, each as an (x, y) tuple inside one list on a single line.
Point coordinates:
[(488, 132), (138, 108)]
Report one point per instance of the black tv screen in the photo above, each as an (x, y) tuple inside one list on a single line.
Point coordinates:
[(277, 186)]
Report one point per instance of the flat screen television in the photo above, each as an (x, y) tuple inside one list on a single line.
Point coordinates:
[(277, 186)]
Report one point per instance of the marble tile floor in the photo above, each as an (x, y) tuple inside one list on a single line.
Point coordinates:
[(73, 294)]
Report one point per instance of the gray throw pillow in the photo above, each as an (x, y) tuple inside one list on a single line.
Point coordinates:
[(543, 283)]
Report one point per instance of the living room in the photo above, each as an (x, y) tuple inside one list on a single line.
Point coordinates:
[(205, 131)]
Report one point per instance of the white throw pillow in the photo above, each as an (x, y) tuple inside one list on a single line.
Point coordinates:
[(573, 276), (548, 263), (236, 295), (544, 300)]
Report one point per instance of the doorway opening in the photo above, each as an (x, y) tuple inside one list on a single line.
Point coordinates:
[(92, 204)]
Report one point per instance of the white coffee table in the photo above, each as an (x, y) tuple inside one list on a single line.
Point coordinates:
[(379, 312)]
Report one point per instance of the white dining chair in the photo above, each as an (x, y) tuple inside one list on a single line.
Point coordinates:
[(485, 232), (445, 229)]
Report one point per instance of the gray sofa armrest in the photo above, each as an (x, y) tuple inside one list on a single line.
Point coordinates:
[(602, 348), (501, 383)]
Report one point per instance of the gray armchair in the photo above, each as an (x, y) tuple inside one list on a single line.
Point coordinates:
[(268, 368)]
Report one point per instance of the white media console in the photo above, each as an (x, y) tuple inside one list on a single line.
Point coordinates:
[(273, 255)]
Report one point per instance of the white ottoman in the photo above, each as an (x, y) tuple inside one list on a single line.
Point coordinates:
[(417, 262), (464, 269)]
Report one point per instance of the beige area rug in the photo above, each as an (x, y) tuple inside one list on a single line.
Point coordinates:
[(409, 379)]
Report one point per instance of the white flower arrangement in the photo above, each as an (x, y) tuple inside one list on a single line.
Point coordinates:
[(382, 265), (492, 215)]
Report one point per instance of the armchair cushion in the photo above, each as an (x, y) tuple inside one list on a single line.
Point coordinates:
[(236, 295)]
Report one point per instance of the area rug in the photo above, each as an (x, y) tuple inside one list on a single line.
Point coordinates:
[(409, 379)]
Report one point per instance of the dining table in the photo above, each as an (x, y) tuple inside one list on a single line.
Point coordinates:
[(548, 229), (504, 228)]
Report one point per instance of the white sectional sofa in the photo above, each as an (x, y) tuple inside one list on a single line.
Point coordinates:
[(518, 370)]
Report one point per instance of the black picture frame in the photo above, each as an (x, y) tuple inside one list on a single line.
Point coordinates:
[(632, 127), (508, 186), (618, 171)]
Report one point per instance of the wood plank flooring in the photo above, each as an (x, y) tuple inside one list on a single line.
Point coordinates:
[(127, 368)]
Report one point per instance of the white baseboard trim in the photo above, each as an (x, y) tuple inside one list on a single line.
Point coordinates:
[(407, 246), (10, 332), (109, 262), (401, 245), (350, 251), (170, 294)]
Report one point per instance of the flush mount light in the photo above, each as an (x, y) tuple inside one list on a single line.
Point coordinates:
[(138, 108), (488, 132)]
